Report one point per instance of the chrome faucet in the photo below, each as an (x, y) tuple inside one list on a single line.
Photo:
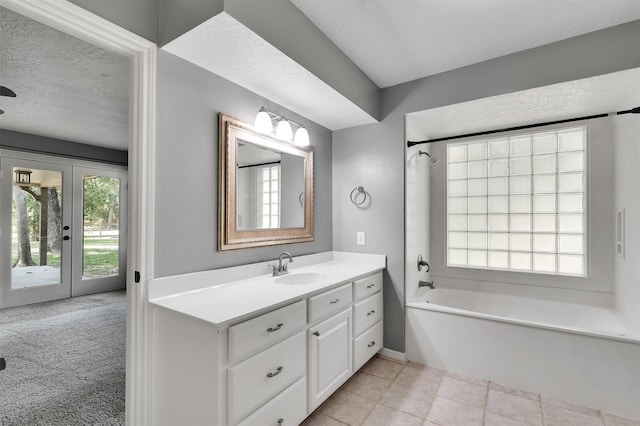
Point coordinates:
[(282, 269)]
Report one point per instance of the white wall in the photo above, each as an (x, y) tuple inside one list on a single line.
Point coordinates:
[(627, 196)]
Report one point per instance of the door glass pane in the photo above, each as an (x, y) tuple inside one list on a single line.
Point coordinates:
[(36, 236), (101, 227)]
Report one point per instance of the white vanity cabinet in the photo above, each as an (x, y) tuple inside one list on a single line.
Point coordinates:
[(274, 368)]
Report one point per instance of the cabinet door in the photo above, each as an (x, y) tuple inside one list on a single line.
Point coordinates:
[(330, 356)]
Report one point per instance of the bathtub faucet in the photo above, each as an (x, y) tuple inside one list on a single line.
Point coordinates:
[(426, 284)]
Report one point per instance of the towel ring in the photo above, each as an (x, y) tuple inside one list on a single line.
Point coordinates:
[(354, 195)]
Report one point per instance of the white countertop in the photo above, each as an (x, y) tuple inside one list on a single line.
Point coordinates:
[(222, 304)]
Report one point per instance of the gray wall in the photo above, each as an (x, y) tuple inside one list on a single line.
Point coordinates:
[(373, 155), (291, 186), (44, 145), (189, 100), (138, 16)]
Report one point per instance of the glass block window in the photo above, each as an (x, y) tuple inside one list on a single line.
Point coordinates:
[(269, 197), (518, 203)]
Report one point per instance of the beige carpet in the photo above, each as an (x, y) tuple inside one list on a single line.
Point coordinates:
[(65, 362)]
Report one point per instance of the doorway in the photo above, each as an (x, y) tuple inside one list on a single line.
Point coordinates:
[(62, 228), (67, 17)]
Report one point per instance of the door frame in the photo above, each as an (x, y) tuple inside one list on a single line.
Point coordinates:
[(74, 20)]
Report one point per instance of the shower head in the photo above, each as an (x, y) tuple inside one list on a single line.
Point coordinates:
[(432, 158)]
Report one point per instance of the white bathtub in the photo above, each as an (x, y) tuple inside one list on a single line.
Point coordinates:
[(578, 353)]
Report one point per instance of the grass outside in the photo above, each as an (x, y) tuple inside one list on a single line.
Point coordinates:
[(100, 257)]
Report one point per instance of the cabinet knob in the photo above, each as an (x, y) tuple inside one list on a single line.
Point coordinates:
[(280, 421), (276, 328), (373, 343), (371, 286), (371, 312), (316, 333), (66, 238), (334, 301), (278, 371)]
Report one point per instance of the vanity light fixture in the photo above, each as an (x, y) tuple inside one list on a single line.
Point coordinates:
[(283, 130), (302, 137), (264, 124)]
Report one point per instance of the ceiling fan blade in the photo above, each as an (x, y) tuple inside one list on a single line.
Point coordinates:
[(5, 91)]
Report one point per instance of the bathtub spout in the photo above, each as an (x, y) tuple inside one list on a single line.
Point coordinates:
[(426, 284)]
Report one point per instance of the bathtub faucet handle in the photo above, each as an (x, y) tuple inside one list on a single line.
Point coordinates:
[(421, 263)]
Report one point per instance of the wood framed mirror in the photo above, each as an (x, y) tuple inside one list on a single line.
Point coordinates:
[(265, 193)]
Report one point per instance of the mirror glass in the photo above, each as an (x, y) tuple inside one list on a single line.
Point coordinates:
[(266, 189), (269, 188)]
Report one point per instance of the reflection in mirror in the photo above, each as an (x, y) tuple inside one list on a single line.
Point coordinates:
[(270, 188), (266, 189)]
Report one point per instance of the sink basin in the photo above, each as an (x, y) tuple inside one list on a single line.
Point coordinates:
[(302, 278)]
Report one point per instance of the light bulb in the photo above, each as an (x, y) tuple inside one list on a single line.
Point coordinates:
[(263, 122), (283, 130), (302, 137)]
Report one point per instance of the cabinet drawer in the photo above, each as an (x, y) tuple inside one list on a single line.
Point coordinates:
[(251, 336), (367, 345), (288, 408), (329, 302), (367, 286), (367, 313), (258, 379)]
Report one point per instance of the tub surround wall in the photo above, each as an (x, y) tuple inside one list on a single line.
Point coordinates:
[(627, 196), (189, 100), (373, 155)]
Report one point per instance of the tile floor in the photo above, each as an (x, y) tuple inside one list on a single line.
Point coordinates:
[(386, 393)]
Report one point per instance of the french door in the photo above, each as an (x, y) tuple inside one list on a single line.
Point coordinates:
[(62, 229)]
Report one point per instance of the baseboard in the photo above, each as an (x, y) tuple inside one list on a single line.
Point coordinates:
[(394, 355)]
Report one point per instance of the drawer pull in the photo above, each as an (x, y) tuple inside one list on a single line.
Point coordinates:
[(316, 333), (278, 327), (371, 312), (372, 344), (371, 286), (278, 371), (334, 301), (280, 421)]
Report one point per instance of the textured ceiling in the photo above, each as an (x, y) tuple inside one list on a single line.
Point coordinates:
[(66, 88), (226, 47), (398, 41), (596, 95)]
